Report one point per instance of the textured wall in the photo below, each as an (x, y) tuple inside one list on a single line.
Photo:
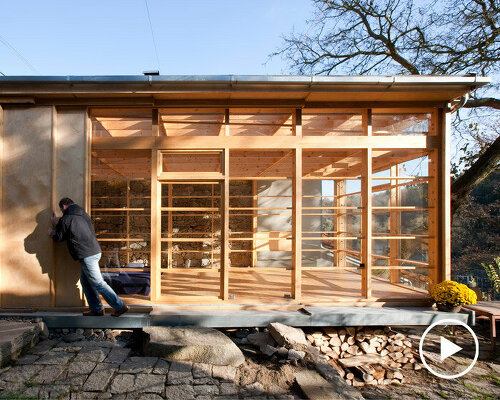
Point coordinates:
[(26, 206), (69, 146), (43, 159)]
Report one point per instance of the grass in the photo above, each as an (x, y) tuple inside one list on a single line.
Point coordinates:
[(482, 395), (423, 395), (443, 395), (492, 378), (16, 396)]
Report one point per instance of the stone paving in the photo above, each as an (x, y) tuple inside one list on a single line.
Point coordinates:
[(82, 370)]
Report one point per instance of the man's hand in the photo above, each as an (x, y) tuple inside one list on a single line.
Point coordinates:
[(54, 220)]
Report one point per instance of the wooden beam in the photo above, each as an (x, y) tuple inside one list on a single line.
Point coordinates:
[(433, 217), (2, 235), (340, 222), (155, 123), (366, 215), (224, 270), (255, 223), (155, 227), (394, 222), (53, 202), (169, 226), (268, 142), (444, 186), (297, 227)]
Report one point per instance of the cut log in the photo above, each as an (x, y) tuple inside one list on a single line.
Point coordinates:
[(342, 333), (353, 350), (351, 330), (344, 346), (335, 341), (330, 332), (336, 366), (349, 376), (379, 373), (357, 382), (367, 368), (325, 349), (364, 359), (351, 340)]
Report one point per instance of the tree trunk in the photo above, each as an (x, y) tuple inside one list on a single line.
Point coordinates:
[(483, 166)]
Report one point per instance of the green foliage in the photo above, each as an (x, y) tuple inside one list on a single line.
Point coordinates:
[(493, 272), (475, 229)]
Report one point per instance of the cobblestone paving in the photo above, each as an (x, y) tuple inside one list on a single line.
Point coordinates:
[(92, 370)]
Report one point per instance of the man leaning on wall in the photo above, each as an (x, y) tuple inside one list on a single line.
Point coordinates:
[(75, 227)]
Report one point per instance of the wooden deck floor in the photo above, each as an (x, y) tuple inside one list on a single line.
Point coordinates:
[(272, 286)]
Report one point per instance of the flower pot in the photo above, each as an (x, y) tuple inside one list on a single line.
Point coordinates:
[(448, 308)]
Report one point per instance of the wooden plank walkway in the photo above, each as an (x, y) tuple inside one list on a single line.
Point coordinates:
[(490, 310)]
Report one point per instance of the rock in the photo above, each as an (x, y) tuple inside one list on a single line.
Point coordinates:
[(180, 373), (224, 372), (228, 389), (269, 350), (255, 388), (194, 344), (99, 378), (287, 336), (122, 383), (261, 339), (134, 365), (80, 331), (72, 337), (117, 355), (283, 352), (44, 330), (184, 392), (315, 387), (296, 354)]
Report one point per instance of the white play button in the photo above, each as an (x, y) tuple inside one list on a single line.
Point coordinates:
[(448, 348)]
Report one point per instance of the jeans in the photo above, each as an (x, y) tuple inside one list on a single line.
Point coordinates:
[(94, 284)]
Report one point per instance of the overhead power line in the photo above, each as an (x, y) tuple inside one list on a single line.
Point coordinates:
[(153, 36), (18, 55)]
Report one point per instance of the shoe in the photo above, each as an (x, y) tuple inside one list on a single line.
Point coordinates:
[(121, 311), (93, 313)]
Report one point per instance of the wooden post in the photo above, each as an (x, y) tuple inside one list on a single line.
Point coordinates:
[(2, 237), (53, 202), (366, 216), (224, 270), (444, 187), (170, 224), (128, 220), (155, 227), (340, 223), (155, 122), (297, 226), (433, 216), (394, 221), (255, 223)]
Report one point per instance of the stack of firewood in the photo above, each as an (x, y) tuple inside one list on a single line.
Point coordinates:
[(365, 355)]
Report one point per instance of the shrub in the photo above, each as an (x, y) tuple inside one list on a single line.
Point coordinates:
[(452, 294)]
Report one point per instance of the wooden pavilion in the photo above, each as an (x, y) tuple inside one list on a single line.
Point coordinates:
[(230, 190)]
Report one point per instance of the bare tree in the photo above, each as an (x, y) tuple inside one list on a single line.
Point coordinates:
[(406, 36)]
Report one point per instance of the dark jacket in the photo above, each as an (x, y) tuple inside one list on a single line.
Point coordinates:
[(76, 228)]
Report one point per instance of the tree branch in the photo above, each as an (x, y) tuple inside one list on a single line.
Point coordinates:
[(484, 102), (483, 166)]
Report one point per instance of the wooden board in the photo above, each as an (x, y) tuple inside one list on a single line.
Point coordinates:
[(69, 174), (26, 206)]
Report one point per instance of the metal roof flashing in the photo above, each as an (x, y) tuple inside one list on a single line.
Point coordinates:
[(448, 86)]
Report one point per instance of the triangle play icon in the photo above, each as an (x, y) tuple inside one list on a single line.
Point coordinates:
[(448, 348)]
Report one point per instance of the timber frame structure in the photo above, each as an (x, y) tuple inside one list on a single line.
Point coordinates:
[(242, 190)]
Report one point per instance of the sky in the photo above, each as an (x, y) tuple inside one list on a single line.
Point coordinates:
[(110, 37)]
